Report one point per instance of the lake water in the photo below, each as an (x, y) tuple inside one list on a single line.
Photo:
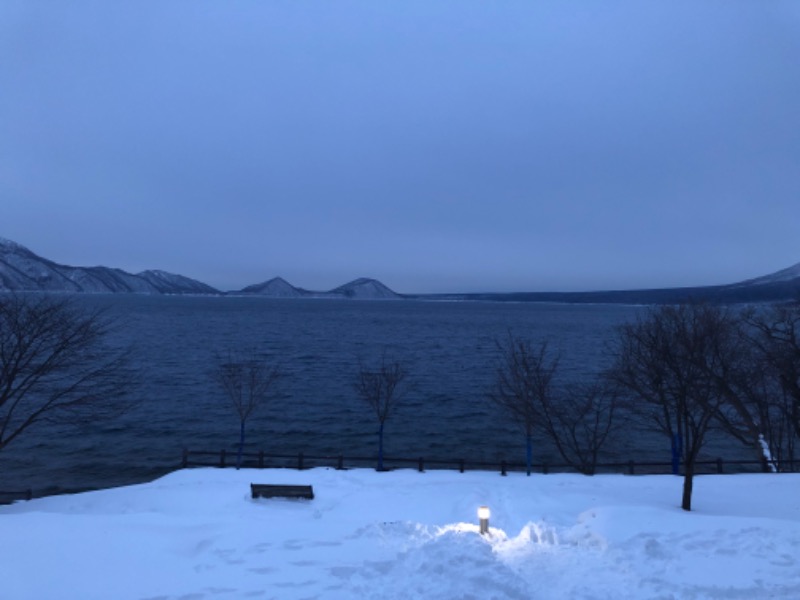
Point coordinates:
[(449, 347)]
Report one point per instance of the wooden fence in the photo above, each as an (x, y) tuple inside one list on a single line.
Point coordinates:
[(261, 460)]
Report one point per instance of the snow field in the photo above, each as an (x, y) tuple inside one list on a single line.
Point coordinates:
[(196, 534)]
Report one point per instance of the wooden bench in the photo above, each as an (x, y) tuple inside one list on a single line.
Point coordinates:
[(262, 490)]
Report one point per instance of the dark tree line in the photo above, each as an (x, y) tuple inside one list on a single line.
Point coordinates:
[(679, 370)]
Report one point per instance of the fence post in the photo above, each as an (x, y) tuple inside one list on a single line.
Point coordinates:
[(461, 465), (545, 468), (421, 465), (260, 459), (631, 467), (300, 462), (222, 457), (185, 459), (340, 463), (503, 469), (719, 466), (29, 494)]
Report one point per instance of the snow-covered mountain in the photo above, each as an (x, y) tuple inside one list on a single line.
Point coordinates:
[(170, 283), (22, 270), (277, 287), (366, 289), (358, 289), (781, 276)]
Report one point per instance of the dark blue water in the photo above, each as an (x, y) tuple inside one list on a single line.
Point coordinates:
[(449, 347)]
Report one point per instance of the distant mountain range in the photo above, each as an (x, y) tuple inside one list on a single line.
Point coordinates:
[(22, 270)]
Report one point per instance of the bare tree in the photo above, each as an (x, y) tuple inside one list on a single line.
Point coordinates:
[(777, 338), (672, 361), (523, 386), (580, 421), (56, 365), (773, 336), (249, 382), (382, 387)]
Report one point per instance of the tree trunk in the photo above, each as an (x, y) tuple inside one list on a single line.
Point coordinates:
[(688, 480), (677, 445), (241, 446), (380, 448), (528, 453)]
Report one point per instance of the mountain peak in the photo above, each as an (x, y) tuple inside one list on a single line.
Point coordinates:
[(365, 288), (11, 246), (277, 287)]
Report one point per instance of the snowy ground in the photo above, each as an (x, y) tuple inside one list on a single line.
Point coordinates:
[(196, 534)]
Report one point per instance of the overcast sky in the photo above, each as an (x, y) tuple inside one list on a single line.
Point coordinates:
[(434, 145)]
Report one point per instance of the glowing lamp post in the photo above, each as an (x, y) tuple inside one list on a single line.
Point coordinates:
[(483, 516)]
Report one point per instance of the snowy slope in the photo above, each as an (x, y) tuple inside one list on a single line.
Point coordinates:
[(781, 276), (170, 283), (22, 270), (405, 535)]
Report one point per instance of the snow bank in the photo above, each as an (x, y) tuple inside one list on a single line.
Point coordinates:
[(197, 534)]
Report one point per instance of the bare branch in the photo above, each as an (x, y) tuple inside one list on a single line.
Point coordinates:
[(674, 362), (382, 387), (249, 382), (56, 366)]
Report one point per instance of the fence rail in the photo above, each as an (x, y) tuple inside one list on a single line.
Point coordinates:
[(261, 460)]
